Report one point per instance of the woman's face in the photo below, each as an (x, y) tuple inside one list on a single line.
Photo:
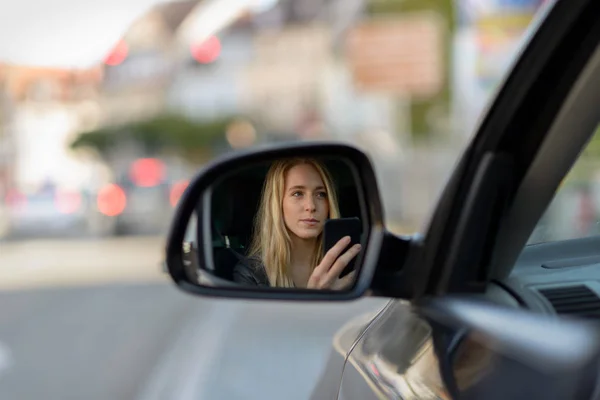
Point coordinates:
[(305, 203)]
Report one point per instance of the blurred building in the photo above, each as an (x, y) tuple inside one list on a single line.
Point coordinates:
[(139, 73), (7, 148), (281, 84), (207, 85), (44, 108)]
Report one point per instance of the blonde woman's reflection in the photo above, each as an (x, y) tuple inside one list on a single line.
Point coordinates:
[(286, 250)]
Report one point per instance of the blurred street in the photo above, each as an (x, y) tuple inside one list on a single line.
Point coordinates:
[(56, 262), (114, 327)]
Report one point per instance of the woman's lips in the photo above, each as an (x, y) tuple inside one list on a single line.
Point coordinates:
[(310, 222)]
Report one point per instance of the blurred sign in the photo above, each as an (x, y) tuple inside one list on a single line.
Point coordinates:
[(469, 11), (498, 39), (490, 34), (401, 55), (499, 28)]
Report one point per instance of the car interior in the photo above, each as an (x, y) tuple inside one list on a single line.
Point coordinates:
[(554, 277)]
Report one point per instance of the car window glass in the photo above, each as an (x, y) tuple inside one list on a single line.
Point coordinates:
[(575, 209)]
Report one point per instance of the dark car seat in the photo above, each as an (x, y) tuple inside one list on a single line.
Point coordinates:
[(234, 206)]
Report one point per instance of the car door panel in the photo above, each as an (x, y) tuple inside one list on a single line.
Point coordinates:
[(393, 359), (343, 343)]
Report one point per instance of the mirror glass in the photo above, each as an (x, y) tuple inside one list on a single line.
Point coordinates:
[(296, 223), (488, 367)]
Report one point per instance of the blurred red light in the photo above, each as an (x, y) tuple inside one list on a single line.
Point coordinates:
[(111, 200), (207, 51), (147, 172), (118, 54), (14, 198), (177, 191), (67, 202)]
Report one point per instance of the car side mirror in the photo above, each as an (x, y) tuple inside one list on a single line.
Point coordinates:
[(301, 221)]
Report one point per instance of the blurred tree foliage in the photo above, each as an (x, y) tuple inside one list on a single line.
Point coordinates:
[(421, 109), (588, 163), (592, 149), (164, 134)]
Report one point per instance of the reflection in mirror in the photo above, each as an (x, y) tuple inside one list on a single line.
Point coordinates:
[(484, 370), (288, 223), (472, 362), (190, 249)]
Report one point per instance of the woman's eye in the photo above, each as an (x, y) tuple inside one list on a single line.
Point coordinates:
[(297, 194), (322, 195)]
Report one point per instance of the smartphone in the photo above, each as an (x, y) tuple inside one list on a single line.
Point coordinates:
[(336, 229)]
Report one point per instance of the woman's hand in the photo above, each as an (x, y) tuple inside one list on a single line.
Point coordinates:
[(326, 274)]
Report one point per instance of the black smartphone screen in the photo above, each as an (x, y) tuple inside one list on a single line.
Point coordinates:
[(335, 229)]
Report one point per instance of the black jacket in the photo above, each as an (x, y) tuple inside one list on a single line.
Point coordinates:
[(250, 271)]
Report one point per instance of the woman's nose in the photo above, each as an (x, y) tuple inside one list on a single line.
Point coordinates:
[(310, 204)]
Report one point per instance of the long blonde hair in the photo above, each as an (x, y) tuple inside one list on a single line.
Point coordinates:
[(271, 241)]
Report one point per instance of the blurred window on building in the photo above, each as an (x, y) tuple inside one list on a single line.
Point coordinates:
[(43, 90)]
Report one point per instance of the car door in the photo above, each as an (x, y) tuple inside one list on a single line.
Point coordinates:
[(491, 203)]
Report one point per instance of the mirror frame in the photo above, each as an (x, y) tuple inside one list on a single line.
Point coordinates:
[(200, 188)]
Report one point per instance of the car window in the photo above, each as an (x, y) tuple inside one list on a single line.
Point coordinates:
[(575, 209)]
